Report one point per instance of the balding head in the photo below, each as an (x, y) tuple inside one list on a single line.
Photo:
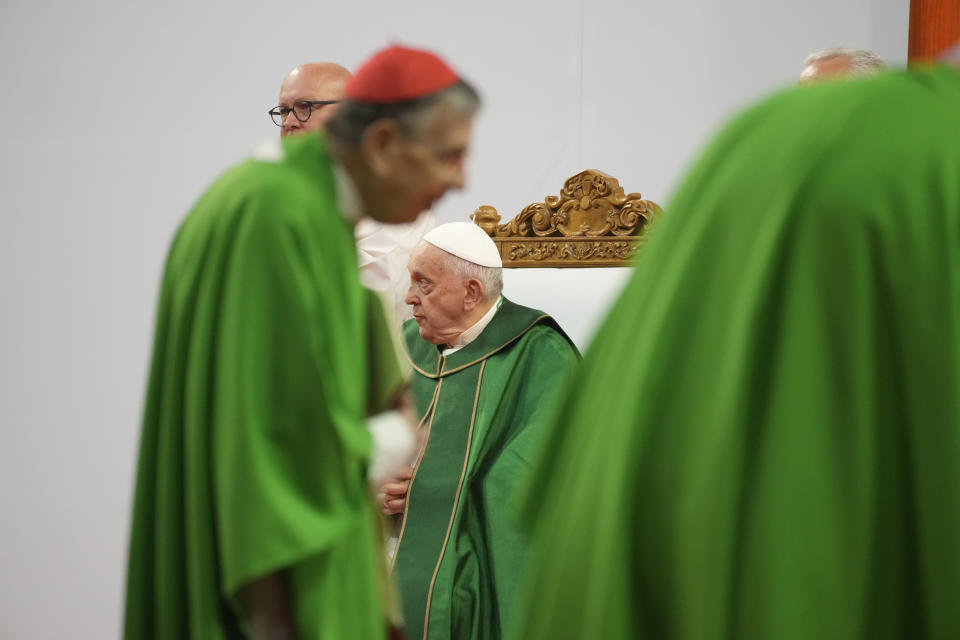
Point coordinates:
[(839, 62), (312, 81)]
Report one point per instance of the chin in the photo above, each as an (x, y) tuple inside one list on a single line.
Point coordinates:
[(392, 217), (407, 217), (429, 337), (412, 211)]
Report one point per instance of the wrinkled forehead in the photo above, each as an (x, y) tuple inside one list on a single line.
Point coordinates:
[(430, 261), (307, 85)]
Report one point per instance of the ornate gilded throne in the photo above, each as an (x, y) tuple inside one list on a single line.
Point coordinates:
[(592, 223)]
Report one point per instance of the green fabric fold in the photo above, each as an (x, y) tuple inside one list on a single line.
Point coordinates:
[(764, 438), (254, 449)]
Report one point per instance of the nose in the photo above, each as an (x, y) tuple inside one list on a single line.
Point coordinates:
[(458, 174), (411, 297), (458, 178), (290, 123)]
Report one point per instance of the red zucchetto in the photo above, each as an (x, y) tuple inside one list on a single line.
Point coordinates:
[(398, 74)]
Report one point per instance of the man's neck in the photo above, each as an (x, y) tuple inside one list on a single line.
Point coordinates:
[(480, 317), (349, 200), (353, 168)]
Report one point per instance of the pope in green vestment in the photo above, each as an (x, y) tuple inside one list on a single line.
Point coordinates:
[(254, 451), (460, 554), (763, 440)]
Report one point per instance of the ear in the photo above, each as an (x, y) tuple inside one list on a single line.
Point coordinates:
[(474, 294), (380, 145)]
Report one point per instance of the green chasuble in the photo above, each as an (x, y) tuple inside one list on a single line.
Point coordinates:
[(254, 450), (763, 441), (460, 553)]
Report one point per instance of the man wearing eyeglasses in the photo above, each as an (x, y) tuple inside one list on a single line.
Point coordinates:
[(308, 97)]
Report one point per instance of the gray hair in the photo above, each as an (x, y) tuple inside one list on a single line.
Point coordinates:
[(861, 60), (490, 278), (352, 118)]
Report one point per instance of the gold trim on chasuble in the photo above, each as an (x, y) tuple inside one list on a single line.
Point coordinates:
[(442, 361), (416, 467), (463, 472), (456, 501)]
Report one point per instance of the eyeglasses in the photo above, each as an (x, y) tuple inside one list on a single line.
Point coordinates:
[(301, 110)]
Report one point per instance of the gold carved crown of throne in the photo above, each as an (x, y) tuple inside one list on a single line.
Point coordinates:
[(592, 223)]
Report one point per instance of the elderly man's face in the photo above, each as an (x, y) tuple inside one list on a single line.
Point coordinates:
[(310, 83), (418, 169), (826, 69), (438, 295)]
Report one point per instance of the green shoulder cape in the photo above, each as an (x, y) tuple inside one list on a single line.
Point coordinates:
[(764, 438), (254, 450), (460, 553)]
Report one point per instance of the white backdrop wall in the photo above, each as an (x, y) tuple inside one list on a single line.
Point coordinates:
[(116, 114)]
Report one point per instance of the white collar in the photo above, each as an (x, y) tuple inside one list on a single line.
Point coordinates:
[(348, 198), (473, 332), (269, 151)]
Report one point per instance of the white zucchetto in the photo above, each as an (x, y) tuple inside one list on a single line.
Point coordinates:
[(465, 240)]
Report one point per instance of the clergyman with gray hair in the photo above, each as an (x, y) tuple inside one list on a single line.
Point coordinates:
[(839, 62), (484, 371), (251, 512)]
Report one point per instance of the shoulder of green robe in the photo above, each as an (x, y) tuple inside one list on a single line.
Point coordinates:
[(511, 322), (290, 183)]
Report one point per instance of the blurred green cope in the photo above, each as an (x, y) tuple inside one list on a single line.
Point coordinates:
[(267, 356), (763, 440)]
